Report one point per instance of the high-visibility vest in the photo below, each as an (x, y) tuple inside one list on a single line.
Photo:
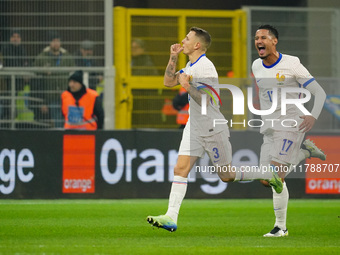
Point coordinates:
[(183, 114), (79, 116), (100, 88), (23, 112)]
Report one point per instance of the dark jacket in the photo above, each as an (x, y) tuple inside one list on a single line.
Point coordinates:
[(143, 65), (52, 82), (14, 55), (81, 61)]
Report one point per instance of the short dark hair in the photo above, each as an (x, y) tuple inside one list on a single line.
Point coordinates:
[(203, 35), (272, 30), (51, 35)]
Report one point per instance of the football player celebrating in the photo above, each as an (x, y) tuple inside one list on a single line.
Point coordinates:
[(274, 71), (199, 78)]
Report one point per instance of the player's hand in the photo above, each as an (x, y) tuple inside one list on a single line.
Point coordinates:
[(176, 49), (184, 79), (307, 123)]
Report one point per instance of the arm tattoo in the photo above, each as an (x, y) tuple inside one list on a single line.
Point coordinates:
[(170, 69), (174, 59), (195, 95)]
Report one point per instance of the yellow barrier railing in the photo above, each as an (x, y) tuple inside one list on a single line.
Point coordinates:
[(140, 93)]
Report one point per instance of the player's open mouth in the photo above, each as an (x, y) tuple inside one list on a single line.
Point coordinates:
[(261, 49)]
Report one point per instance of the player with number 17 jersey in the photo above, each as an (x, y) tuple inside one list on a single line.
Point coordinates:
[(286, 72)]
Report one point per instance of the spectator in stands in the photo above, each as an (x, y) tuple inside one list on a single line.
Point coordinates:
[(141, 64), (49, 86), (14, 53), (81, 106), (84, 58)]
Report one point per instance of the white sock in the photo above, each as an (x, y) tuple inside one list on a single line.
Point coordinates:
[(253, 173), (303, 154), (280, 202), (177, 193)]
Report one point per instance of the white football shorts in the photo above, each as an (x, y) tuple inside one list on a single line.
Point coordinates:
[(282, 147), (217, 147)]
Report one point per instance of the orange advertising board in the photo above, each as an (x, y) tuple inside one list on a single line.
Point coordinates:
[(79, 164), (323, 177)]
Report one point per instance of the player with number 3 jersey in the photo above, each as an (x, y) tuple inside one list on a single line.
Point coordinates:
[(199, 78)]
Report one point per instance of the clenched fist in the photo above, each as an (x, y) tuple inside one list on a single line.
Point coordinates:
[(176, 49)]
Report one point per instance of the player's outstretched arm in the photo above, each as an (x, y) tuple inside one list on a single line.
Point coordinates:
[(170, 76), (319, 100)]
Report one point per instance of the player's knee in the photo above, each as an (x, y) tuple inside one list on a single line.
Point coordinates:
[(227, 179), (179, 170)]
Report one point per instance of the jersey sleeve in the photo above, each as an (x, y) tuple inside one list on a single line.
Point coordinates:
[(204, 74), (319, 98), (301, 73), (255, 67)]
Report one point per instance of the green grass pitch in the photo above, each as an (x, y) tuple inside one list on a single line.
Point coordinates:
[(224, 226)]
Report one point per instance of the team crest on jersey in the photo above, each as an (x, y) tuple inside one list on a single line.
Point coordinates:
[(280, 78)]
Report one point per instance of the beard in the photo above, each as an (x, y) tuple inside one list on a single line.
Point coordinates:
[(263, 57), (55, 50)]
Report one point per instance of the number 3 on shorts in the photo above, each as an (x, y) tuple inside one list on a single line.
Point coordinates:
[(216, 153)]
